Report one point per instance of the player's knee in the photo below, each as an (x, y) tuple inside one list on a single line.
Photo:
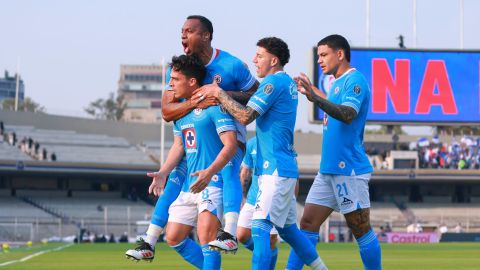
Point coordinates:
[(243, 235), (359, 222), (172, 240), (307, 223)]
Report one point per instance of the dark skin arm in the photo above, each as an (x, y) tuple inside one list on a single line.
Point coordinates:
[(343, 113), (173, 110)]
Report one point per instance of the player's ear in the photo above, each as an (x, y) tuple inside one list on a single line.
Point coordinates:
[(192, 81), (275, 61), (340, 54)]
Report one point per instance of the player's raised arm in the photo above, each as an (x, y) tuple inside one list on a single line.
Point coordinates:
[(343, 113), (229, 140)]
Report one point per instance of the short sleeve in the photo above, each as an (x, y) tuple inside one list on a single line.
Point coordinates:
[(355, 92), (222, 119), (265, 95)]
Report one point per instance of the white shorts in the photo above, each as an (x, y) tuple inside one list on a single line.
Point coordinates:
[(245, 218), (275, 200), (186, 208), (342, 193)]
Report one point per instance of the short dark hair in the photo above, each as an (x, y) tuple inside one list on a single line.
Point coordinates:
[(336, 42), (206, 23), (190, 66), (276, 47)]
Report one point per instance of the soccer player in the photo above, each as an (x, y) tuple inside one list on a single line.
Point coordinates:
[(231, 74), (274, 106), (342, 183), (209, 142), (248, 175)]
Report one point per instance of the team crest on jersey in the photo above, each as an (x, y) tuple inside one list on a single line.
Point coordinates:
[(190, 138), (217, 78), (215, 178), (341, 165), (357, 89), (266, 164), (268, 89), (197, 111), (337, 89)]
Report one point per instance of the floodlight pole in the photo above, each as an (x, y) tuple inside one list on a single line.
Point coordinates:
[(17, 86), (162, 130)]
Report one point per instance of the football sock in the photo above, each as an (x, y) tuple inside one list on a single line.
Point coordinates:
[(273, 260), (211, 258), (294, 262), (249, 244), (231, 220), (301, 245), (153, 232), (370, 251), (261, 237)]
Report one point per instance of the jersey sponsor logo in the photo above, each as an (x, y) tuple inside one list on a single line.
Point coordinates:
[(268, 89), (337, 89), (346, 201), (293, 90), (257, 208), (357, 89), (190, 138), (197, 111), (341, 165), (217, 78), (260, 100)]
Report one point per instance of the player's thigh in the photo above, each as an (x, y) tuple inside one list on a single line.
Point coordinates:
[(351, 192), (321, 192), (208, 225), (176, 233), (313, 216)]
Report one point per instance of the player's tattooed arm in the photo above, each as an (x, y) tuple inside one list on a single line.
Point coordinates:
[(343, 113), (245, 115), (242, 97)]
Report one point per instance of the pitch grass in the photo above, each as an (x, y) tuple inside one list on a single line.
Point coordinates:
[(457, 256)]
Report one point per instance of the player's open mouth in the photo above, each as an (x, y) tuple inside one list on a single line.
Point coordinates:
[(186, 50)]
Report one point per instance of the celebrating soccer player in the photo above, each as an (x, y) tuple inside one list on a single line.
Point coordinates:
[(342, 183), (274, 106)]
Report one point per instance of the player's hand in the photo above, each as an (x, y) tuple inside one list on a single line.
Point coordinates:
[(204, 177), (158, 183), (304, 85), (207, 91)]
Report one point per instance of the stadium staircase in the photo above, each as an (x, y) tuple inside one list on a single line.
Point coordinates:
[(406, 212), (52, 211)]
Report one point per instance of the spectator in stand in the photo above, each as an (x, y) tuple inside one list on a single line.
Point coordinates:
[(53, 157), (37, 148), (44, 155), (2, 128), (458, 228), (30, 145)]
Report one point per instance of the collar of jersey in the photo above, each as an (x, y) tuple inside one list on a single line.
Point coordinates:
[(215, 53), (348, 71)]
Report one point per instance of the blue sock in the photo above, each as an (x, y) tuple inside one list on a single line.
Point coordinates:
[(232, 187), (294, 262), (249, 244), (273, 260), (211, 258), (299, 243), (370, 251), (191, 252), (261, 238), (170, 194)]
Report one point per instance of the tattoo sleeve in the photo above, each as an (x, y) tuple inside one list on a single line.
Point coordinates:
[(244, 115), (242, 97), (343, 113)]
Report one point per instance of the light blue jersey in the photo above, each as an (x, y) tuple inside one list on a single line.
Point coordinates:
[(276, 102), (249, 161), (342, 146), (200, 130), (231, 74)]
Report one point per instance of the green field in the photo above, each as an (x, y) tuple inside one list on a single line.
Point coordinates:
[(337, 256)]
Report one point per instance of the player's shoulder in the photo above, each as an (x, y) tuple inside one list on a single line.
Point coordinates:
[(216, 110), (225, 56), (356, 78)]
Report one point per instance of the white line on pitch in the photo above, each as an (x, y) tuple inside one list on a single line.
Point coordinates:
[(26, 258)]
